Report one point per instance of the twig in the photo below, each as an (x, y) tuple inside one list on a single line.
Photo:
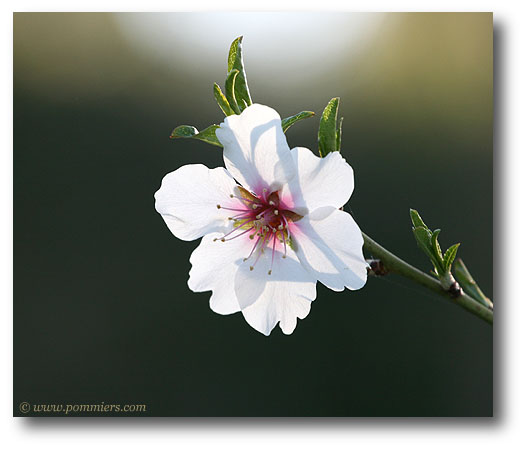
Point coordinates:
[(396, 265)]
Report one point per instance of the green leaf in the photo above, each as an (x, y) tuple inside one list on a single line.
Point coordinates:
[(183, 131), (338, 135), (222, 101), (230, 90), (235, 61), (428, 242), (423, 238), (208, 135), (327, 128), (416, 219), (289, 121), (437, 252), (435, 244), (450, 255), (469, 285)]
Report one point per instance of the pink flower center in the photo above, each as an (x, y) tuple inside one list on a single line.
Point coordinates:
[(264, 219)]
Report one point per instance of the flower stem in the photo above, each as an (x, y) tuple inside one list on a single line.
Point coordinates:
[(399, 266)]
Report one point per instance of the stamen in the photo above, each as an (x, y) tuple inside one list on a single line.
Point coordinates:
[(261, 251), (285, 220), (284, 242), (273, 253), (237, 228), (253, 249), (264, 228), (236, 236), (240, 216), (240, 198), (231, 208), (258, 216)]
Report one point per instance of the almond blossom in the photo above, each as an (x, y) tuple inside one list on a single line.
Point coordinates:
[(271, 223)]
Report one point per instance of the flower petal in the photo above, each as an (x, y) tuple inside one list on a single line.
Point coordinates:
[(255, 149), (188, 199), (282, 297), (268, 311), (319, 181), (214, 267), (329, 245)]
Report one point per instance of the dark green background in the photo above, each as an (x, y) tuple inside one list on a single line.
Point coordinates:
[(102, 308)]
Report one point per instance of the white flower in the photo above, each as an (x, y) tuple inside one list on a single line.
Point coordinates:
[(270, 223)]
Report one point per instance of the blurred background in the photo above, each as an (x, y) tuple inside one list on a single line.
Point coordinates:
[(102, 308)]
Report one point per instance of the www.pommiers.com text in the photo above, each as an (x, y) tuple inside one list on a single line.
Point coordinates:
[(69, 409)]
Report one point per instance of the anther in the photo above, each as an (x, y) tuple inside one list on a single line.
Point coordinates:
[(280, 227), (251, 268), (254, 206), (265, 190), (258, 216), (218, 206), (271, 203), (269, 272), (222, 239), (276, 212), (251, 236), (231, 196)]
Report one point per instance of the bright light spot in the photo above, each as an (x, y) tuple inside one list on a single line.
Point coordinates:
[(299, 45)]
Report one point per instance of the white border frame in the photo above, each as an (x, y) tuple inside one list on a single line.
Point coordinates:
[(504, 430)]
